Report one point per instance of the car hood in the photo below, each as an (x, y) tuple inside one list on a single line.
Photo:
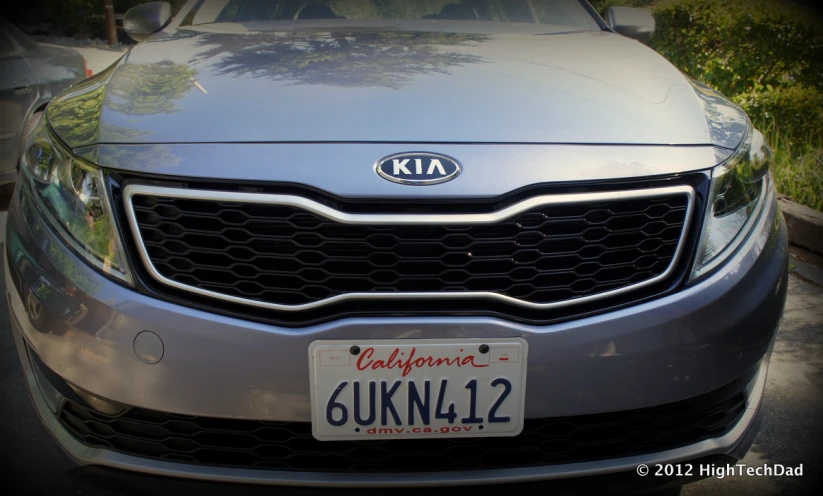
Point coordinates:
[(421, 82)]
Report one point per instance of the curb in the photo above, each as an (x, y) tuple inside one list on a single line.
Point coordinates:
[(805, 225), (807, 271)]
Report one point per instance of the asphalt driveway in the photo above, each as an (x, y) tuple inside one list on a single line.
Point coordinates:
[(96, 59), (791, 434)]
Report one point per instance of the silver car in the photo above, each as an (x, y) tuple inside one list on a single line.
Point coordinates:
[(387, 243), (31, 75)]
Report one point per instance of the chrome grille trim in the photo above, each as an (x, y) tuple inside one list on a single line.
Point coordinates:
[(314, 207)]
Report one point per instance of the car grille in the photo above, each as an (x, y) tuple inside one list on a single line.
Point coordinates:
[(290, 445), (290, 257)]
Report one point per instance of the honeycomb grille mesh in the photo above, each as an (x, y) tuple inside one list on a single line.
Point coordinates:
[(289, 256), (290, 445)]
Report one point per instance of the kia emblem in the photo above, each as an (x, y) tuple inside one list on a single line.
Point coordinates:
[(418, 168)]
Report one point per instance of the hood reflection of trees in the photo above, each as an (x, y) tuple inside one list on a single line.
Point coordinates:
[(366, 58), (353, 58), (75, 115), (149, 88), (132, 89)]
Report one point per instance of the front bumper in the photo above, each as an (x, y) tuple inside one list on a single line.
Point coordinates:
[(663, 351)]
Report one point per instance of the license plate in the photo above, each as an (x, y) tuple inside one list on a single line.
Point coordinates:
[(420, 388)]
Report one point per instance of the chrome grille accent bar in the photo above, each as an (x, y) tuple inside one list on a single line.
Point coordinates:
[(314, 207)]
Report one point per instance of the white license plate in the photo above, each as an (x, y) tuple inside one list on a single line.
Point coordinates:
[(417, 388)]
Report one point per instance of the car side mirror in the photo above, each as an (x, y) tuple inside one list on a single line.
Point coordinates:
[(142, 20), (630, 22)]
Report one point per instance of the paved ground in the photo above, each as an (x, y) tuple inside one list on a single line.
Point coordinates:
[(96, 59), (791, 434)]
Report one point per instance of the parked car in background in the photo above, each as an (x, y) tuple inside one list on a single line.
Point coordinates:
[(396, 243), (31, 75)]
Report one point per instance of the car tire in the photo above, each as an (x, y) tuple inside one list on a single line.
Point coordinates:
[(31, 123)]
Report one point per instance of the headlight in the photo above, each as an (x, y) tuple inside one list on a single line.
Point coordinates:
[(72, 196), (736, 197)]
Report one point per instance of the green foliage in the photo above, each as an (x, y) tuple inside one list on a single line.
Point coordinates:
[(793, 107), (738, 46), (767, 55), (798, 169)]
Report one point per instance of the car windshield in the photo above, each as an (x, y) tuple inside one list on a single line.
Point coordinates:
[(571, 13)]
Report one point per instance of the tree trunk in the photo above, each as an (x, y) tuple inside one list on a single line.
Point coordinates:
[(111, 28)]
